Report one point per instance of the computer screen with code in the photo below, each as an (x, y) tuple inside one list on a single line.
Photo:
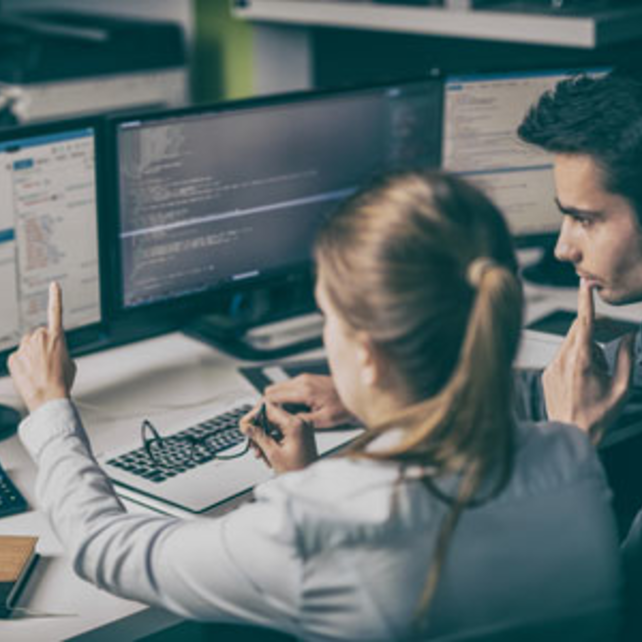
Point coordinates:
[(235, 193), (48, 227)]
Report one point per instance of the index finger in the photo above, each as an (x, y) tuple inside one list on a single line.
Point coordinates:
[(585, 310), (54, 309)]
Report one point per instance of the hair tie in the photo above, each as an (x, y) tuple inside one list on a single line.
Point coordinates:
[(477, 269)]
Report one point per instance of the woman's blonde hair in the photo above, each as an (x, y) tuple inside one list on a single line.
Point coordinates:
[(423, 263)]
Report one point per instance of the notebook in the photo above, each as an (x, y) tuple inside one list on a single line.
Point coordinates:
[(17, 558)]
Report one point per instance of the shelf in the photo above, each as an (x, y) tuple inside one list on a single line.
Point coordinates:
[(581, 31)]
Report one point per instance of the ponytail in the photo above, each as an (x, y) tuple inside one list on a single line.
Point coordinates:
[(467, 429), (472, 409), (474, 401)]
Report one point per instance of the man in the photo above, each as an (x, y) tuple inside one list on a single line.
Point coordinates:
[(599, 188), (593, 128)]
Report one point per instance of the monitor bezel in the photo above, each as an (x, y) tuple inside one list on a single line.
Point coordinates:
[(93, 335), (174, 312)]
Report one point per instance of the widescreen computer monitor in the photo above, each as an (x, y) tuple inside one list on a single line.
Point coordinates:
[(232, 194), (48, 229)]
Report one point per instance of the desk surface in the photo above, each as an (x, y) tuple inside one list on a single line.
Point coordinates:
[(166, 378), (163, 378)]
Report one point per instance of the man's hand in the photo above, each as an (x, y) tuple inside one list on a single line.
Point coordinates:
[(41, 368), (318, 394), (578, 388), (295, 449)]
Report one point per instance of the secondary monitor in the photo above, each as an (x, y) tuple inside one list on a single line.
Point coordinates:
[(233, 193), (48, 228), (48, 231), (481, 116)]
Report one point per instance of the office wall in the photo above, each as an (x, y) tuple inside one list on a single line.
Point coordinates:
[(221, 46), (178, 10), (345, 56)]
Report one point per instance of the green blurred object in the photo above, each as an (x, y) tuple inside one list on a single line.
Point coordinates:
[(223, 53)]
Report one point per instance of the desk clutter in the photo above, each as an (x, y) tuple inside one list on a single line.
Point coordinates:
[(17, 558)]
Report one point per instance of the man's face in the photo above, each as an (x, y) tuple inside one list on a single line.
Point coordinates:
[(600, 232)]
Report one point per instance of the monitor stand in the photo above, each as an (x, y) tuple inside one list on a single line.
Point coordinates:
[(265, 342), (551, 272), (9, 420)]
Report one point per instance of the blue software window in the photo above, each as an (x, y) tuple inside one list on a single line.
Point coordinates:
[(48, 230)]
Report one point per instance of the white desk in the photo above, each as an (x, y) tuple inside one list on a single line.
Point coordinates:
[(124, 385)]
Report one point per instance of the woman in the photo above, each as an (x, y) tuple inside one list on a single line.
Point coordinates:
[(446, 520)]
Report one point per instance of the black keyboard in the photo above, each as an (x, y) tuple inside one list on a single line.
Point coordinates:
[(187, 449), (11, 499)]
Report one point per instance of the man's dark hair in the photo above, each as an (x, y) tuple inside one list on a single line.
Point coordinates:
[(600, 116)]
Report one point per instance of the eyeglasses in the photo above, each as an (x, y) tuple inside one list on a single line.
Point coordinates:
[(180, 452)]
